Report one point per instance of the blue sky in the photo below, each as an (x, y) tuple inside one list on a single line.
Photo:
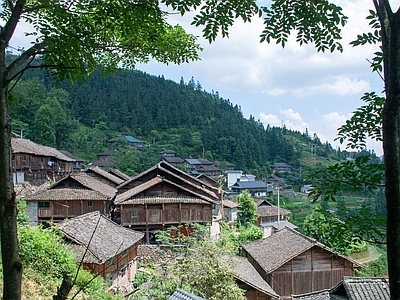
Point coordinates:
[(295, 86)]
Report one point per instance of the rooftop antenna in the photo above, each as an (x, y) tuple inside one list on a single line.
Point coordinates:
[(278, 211)]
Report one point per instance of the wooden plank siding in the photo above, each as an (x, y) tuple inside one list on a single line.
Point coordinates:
[(164, 214), (114, 264), (59, 210), (313, 270)]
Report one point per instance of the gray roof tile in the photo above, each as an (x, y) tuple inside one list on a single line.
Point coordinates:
[(104, 238)]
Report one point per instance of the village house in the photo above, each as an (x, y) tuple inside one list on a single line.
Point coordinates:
[(164, 196), (104, 247), (134, 142), (275, 182), (268, 217), (183, 295), (104, 176), (281, 167), (170, 156), (79, 162), (119, 174), (203, 166), (69, 197), (292, 263), (230, 209), (256, 188), (248, 279), (38, 164), (352, 288), (102, 160)]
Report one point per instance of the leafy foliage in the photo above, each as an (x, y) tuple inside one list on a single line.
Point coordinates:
[(351, 175), (247, 211), (314, 21), (366, 122)]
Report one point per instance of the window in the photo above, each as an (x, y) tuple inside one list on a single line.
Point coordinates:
[(134, 214), (154, 213), (90, 203), (110, 261), (124, 253), (44, 204)]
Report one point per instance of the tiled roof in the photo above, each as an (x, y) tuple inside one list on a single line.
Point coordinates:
[(122, 198), (250, 184), (183, 295), (159, 200), (106, 175), (319, 295), (29, 147), (266, 209), (279, 248), (246, 273), (366, 288), (119, 174), (229, 204), (179, 174), (173, 159), (86, 188), (103, 237), (68, 194), (70, 155)]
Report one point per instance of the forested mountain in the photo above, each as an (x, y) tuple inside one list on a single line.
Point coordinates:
[(165, 114)]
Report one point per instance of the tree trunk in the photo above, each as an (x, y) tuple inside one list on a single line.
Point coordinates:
[(390, 26), (12, 265)]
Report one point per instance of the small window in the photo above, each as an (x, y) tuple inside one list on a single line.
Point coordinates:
[(134, 214), (110, 261), (90, 204), (154, 213), (124, 253), (44, 204)]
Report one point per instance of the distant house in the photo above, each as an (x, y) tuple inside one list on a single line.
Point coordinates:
[(104, 247), (275, 181), (203, 166), (37, 163), (163, 196), (79, 162), (293, 263), (232, 177), (69, 197), (281, 168), (134, 142), (119, 174), (104, 176), (102, 160), (352, 288), (170, 156), (230, 210), (268, 217), (256, 188), (248, 279)]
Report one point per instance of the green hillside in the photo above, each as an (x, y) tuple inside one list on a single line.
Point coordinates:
[(164, 114)]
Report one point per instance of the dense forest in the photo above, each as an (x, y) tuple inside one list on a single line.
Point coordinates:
[(82, 117)]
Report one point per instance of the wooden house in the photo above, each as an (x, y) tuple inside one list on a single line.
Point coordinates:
[(352, 288), (230, 210), (293, 263), (248, 279), (37, 164), (104, 176), (72, 196), (164, 196), (275, 181), (281, 167), (104, 247), (203, 166), (119, 174), (102, 160), (134, 142), (256, 188)]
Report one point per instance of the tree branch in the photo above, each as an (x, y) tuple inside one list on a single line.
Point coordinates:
[(9, 28)]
